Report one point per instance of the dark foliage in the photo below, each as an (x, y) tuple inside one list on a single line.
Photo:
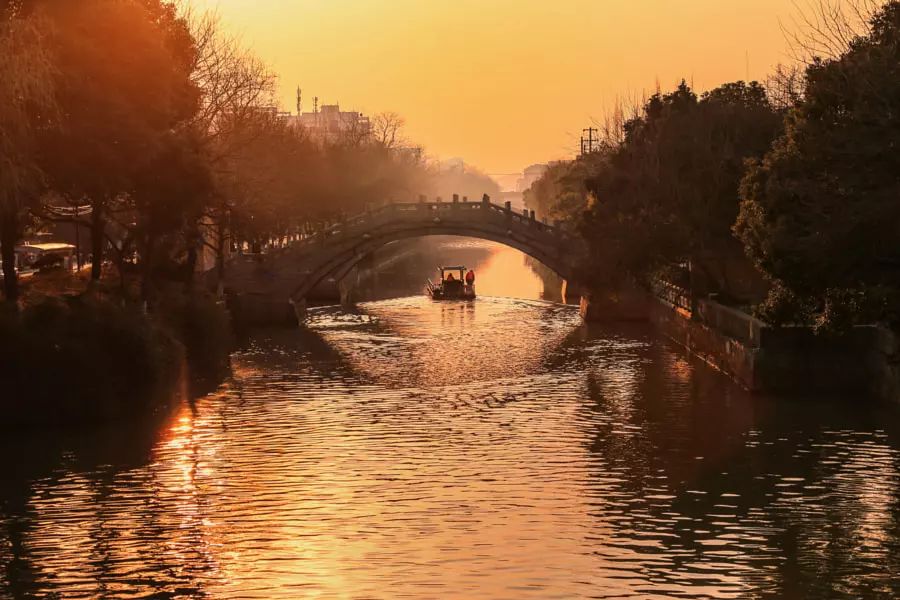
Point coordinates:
[(82, 360), (821, 211), (669, 191)]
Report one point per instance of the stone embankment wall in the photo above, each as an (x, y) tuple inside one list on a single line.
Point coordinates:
[(863, 362)]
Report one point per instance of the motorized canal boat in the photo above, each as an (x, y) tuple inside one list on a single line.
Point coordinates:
[(452, 285)]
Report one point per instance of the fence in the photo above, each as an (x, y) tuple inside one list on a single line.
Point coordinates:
[(729, 321), (671, 293)]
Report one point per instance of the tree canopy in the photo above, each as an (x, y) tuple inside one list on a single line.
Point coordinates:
[(26, 105), (560, 193), (669, 191), (169, 130), (821, 211), (123, 81)]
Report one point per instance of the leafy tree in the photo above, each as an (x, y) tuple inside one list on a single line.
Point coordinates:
[(561, 193), (170, 193), (669, 191), (26, 105), (123, 82), (820, 212)]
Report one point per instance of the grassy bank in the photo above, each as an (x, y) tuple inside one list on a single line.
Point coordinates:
[(88, 358)]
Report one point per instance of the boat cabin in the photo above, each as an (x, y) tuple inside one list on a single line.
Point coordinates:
[(451, 285)]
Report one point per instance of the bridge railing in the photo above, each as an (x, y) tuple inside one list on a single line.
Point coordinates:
[(358, 224)]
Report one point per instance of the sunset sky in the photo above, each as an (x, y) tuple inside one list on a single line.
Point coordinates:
[(503, 83)]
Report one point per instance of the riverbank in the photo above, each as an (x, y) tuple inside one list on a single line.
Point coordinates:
[(763, 359), (95, 357)]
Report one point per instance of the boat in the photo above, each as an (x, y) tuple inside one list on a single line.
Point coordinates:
[(451, 285)]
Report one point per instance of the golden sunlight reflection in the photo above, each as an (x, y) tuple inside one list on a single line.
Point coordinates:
[(490, 449), (505, 274)]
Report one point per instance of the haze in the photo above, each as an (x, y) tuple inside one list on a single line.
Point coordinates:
[(503, 83)]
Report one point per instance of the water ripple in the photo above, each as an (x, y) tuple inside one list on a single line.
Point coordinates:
[(496, 449)]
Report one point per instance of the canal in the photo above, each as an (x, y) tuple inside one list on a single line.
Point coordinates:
[(496, 449)]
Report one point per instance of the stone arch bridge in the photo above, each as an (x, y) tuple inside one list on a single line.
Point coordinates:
[(272, 287)]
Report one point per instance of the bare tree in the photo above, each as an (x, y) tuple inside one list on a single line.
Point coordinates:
[(824, 29), (235, 84), (237, 89), (387, 130), (785, 86), (611, 125), (355, 132)]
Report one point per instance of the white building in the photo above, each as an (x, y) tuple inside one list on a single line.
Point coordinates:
[(329, 123)]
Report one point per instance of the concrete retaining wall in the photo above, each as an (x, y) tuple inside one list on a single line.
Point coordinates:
[(863, 362), (628, 303), (726, 354), (787, 360)]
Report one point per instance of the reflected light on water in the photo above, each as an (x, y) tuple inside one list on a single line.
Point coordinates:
[(494, 449), (504, 275)]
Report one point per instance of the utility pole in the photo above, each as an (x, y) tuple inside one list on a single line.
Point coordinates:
[(588, 144), (299, 104)]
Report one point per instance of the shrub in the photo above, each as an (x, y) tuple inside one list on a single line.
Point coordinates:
[(82, 359)]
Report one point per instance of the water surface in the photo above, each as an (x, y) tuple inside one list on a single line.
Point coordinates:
[(494, 449)]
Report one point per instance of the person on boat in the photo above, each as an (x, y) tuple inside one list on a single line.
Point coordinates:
[(470, 277)]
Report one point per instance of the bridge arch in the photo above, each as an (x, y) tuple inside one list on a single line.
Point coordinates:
[(342, 263), (285, 276)]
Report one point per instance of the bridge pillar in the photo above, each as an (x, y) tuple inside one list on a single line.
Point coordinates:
[(572, 292), (299, 310), (347, 287)]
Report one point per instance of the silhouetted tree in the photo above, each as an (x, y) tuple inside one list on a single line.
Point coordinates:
[(26, 105), (387, 130), (122, 82), (561, 193), (170, 193), (669, 191), (820, 214)]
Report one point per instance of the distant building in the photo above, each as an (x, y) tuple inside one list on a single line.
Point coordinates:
[(530, 175), (329, 123)]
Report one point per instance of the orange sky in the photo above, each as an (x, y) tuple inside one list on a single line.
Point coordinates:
[(503, 83)]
